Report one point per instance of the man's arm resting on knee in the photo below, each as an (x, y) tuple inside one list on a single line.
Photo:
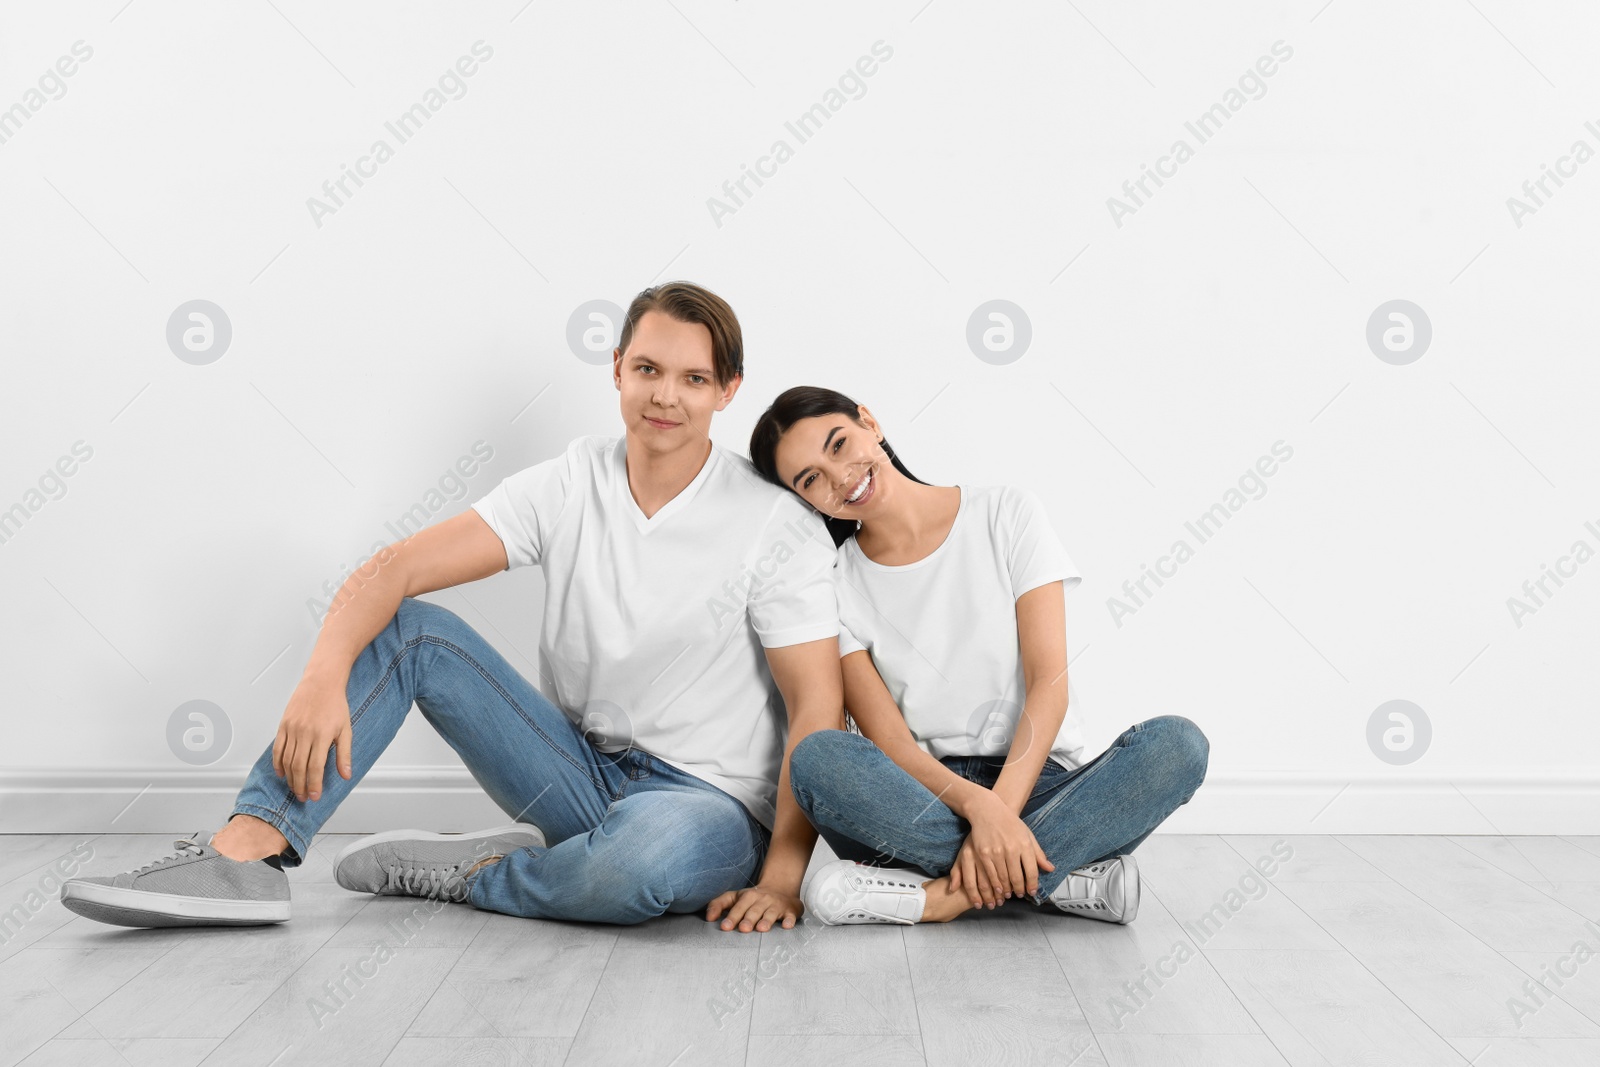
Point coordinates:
[(457, 550), (808, 677)]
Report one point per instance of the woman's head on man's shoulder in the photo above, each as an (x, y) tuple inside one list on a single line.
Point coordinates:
[(832, 452)]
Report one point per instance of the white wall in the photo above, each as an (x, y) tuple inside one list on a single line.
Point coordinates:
[(372, 348)]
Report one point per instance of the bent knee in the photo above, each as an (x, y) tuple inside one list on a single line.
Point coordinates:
[(816, 753), (416, 617), (1190, 748)]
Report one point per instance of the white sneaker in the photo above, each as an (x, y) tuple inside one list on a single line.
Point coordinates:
[(844, 892), (1107, 890)]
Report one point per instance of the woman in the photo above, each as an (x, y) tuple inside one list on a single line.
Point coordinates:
[(965, 785)]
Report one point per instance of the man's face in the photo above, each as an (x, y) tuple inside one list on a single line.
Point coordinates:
[(827, 458), (667, 379)]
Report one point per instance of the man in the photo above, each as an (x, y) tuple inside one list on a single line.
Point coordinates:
[(680, 588)]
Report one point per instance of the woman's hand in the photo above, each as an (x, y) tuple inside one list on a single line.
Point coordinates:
[(1000, 857), (317, 717), (755, 908)]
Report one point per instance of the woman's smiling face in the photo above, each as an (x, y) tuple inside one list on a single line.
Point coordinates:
[(836, 464)]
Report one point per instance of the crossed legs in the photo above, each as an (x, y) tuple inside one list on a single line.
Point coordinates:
[(872, 811)]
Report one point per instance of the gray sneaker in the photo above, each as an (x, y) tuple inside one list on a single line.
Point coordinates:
[(417, 863), (195, 886), (1107, 890)]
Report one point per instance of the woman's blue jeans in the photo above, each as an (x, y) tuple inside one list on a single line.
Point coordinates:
[(872, 811), (629, 836)]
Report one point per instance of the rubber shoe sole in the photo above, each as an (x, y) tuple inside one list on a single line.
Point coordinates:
[(131, 907)]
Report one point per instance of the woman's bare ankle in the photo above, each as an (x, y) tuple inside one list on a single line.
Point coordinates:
[(245, 837), (942, 905)]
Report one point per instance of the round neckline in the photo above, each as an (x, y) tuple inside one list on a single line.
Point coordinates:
[(961, 508)]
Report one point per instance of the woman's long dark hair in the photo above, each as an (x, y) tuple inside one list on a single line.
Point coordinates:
[(806, 402)]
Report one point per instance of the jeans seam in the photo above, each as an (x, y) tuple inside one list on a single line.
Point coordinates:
[(394, 663), (1071, 787)]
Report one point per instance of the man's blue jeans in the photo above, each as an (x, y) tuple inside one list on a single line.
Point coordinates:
[(872, 811), (629, 836)]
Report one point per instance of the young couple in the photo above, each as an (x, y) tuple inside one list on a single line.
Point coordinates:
[(691, 746)]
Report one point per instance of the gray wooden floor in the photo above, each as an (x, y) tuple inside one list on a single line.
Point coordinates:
[(1358, 950)]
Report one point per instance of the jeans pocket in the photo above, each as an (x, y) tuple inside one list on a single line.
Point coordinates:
[(633, 768), (640, 765), (982, 770), (1050, 776)]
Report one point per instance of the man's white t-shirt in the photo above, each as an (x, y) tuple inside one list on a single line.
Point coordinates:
[(654, 628), (942, 631)]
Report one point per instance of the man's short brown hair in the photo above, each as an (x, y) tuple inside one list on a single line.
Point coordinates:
[(688, 302)]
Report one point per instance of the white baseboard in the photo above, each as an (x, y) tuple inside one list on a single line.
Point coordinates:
[(128, 801), (1272, 802), (447, 798)]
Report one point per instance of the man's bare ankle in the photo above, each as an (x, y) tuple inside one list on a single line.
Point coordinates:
[(245, 837)]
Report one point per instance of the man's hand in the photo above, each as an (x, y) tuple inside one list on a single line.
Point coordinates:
[(317, 718), (755, 908)]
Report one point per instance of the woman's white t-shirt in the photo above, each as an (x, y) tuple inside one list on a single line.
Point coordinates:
[(654, 627), (942, 631)]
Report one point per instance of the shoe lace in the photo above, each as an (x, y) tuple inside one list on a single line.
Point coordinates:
[(185, 848), (444, 883)]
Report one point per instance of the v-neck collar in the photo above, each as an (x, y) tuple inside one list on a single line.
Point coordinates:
[(646, 524)]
